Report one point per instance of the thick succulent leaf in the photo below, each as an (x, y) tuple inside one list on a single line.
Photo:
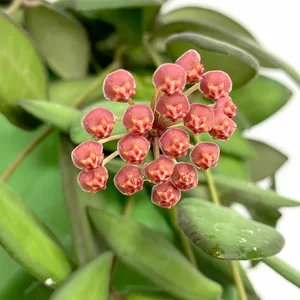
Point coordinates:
[(25, 287), (264, 93), (209, 16), (267, 161), (19, 63), (216, 55), (52, 113), (230, 292), (149, 296), (284, 269), (90, 282), (224, 233), (85, 5), (38, 180), (61, 39), (28, 241), (153, 256), (250, 194)]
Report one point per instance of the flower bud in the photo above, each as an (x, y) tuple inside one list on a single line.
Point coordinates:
[(129, 180), (215, 84), (119, 86), (174, 142), (138, 119), (169, 78), (185, 176), (165, 195), (190, 61), (88, 155), (160, 169), (200, 118), (99, 122), (229, 108), (173, 107), (93, 180), (205, 155), (133, 149), (223, 127)]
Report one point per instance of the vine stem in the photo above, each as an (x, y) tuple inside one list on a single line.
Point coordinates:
[(19, 159), (13, 7)]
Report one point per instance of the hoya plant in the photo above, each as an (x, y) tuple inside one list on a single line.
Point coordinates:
[(123, 152)]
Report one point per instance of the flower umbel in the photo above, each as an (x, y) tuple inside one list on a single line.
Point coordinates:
[(166, 125)]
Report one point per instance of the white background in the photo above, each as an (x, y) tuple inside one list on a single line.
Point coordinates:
[(276, 24)]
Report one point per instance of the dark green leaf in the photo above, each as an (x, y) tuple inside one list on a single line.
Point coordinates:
[(153, 256), (267, 161), (148, 296), (224, 233), (285, 270), (211, 17), (28, 241), (20, 64), (216, 55), (61, 39), (90, 282), (261, 98), (52, 113)]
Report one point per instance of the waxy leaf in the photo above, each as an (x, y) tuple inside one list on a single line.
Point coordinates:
[(267, 161), (28, 241), (52, 113), (230, 292), (224, 233), (153, 256), (90, 282), (20, 64), (216, 55), (264, 93), (61, 39)]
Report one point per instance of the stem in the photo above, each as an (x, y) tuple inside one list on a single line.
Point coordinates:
[(186, 245), (152, 53), (13, 6), (8, 172), (156, 151), (191, 146), (212, 187), (154, 99), (110, 157), (192, 89), (112, 138), (238, 280), (130, 101)]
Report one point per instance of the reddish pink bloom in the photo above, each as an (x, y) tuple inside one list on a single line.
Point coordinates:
[(205, 155), (185, 176), (229, 108), (165, 195), (88, 155), (169, 78), (93, 180), (119, 86), (223, 127), (138, 119), (174, 142), (129, 180), (99, 122), (215, 84), (160, 169), (173, 107), (133, 149), (200, 118), (190, 61)]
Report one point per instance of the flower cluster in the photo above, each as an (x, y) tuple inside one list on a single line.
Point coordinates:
[(165, 125)]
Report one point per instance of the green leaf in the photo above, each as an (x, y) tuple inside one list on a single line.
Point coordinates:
[(149, 296), (52, 113), (236, 146), (25, 287), (284, 269), (216, 55), (61, 39), (211, 17), (28, 241), (20, 64), (90, 282), (267, 161), (224, 233), (249, 193), (264, 93), (230, 292), (84, 5), (153, 256)]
